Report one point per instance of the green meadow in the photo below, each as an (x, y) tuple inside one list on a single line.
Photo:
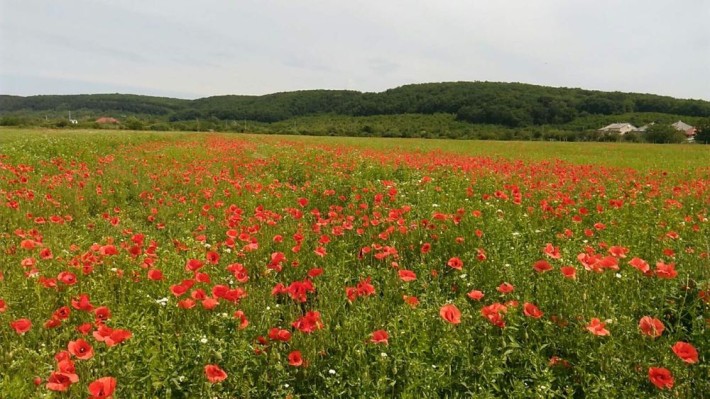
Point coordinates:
[(205, 265)]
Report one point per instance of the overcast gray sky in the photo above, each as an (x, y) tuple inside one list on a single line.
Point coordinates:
[(198, 48)]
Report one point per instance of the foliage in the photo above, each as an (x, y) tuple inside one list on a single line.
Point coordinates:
[(505, 104), (134, 123), (661, 133), (703, 133)]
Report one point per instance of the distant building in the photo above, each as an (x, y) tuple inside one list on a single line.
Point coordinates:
[(619, 128), (107, 120), (688, 130)]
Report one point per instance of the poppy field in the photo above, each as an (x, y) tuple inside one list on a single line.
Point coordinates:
[(146, 265)]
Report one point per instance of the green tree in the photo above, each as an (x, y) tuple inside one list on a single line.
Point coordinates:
[(133, 123), (662, 133), (702, 135)]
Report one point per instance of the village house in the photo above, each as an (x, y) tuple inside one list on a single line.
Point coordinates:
[(107, 120), (688, 130), (619, 128)]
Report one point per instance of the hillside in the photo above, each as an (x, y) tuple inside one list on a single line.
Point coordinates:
[(510, 105)]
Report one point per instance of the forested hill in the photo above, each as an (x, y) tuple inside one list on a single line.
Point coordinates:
[(507, 104), (97, 103)]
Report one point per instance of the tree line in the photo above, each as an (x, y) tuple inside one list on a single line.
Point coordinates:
[(515, 106)]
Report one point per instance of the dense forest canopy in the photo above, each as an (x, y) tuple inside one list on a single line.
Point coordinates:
[(506, 104)]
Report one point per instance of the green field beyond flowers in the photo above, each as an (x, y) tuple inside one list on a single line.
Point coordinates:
[(191, 265)]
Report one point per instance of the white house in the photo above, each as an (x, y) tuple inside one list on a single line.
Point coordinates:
[(620, 128)]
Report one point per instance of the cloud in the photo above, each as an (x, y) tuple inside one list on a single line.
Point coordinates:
[(260, 46)]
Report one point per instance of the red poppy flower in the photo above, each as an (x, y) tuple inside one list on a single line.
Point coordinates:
[(364, 288), (178, 290), (101, 314), (552, 251), (320, 251), (651, 326), (62, 313), (214, 374), (21, 326), (308, 323), (481, 254), (542, 266), (505, 288), (607, 262), (410, 300), (102, 388), (62, 355), (155, 275), (202, 277), (380, 337), (666, 271), (3, 306), (66, 366), (198, 294), (295, 359), (110, 336), (81, 349), (455, 263), (618, 251), (28, 244), (108, 250), (243, 322), (660, 377), (531, 310), (60, 382), (686, 352), (212, 257), (494, 314), (193, 265), (277, 334), (117, 336), (67, 278), (476, 295), (102, 332), (298, 290), (82, 302), (640, 264), (351, 293), (426, 247), (673, 235), (209, 303), (407, 275), (186, 304), (450, 313), (239, 272), (315, 272), (569, 272), (52, 323), (596, 327)]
